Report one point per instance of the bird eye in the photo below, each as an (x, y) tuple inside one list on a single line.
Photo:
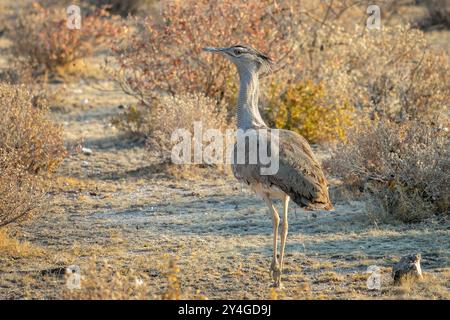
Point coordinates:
[(237, 52)]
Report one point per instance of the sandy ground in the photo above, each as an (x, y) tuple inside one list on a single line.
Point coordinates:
[(118, 204)]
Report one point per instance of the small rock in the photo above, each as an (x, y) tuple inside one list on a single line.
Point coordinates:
[(86, 151), (85, 164), (407, 267)]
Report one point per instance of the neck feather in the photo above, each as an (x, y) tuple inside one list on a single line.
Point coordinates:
[(248, 115)]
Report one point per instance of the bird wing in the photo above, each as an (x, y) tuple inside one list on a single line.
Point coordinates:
[(299, 174)]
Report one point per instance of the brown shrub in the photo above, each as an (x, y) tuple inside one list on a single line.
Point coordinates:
[(43, 42), (30, 146), (392, 73), (170, 113), (27, 133), (401, 167), (20, 191), (165, 55)]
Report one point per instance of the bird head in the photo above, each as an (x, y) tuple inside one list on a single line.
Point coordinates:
[(245, 58)]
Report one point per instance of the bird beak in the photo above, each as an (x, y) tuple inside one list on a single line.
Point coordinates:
[(212, 49)]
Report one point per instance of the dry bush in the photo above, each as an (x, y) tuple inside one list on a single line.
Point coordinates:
[(401, 167), (26, 132), (43, 43), (391, 73), (20, 191), (165, 55), (30, 146), (302, 107), (170, 113)]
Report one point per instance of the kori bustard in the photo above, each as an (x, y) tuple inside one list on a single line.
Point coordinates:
[(299, 176)]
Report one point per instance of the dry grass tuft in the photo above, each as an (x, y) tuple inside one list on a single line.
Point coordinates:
[(432, 286), (329, 276), (101, 281), (168, 114), (12, 248)]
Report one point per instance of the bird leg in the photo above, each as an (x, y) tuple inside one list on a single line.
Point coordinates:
[(274, 268), (284, 230)]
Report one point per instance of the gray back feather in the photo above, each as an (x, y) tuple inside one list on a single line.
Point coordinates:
[(299, 175)]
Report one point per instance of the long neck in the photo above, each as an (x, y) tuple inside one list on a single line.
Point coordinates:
[(248, 115)]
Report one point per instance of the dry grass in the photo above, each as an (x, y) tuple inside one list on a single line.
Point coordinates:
[(399, 166), (11, 248), (101, 280), (432, 286), (171, 113)]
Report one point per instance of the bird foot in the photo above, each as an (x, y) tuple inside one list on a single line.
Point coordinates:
[(275, 273), (278, 285)]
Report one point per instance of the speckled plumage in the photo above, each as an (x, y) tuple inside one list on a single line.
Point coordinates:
[(299, 176)]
